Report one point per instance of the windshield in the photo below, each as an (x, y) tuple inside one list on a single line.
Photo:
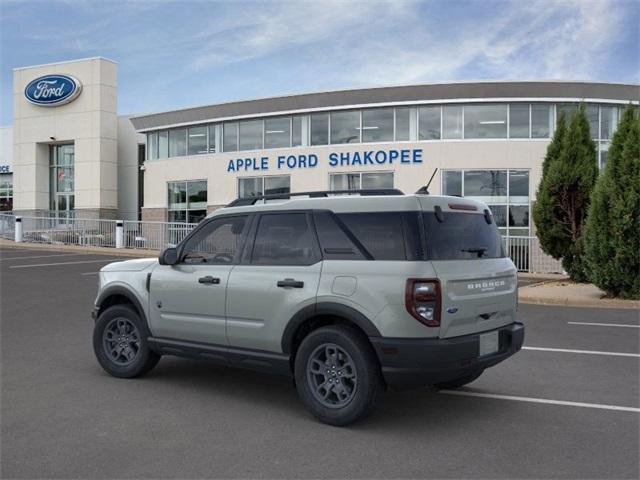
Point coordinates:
[(461, 236)]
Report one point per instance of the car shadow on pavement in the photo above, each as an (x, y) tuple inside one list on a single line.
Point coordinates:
[(397, 410)]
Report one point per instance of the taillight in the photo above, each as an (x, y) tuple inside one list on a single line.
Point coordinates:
[(422, 299)]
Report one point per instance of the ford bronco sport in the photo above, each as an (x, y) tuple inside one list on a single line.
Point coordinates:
[(346, 294)]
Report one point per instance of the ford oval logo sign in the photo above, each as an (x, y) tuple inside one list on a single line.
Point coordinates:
[(53, 90)]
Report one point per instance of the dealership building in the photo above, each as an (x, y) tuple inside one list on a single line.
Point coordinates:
[(70, 152)]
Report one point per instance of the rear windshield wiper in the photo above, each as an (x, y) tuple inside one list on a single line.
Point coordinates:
[(480, 251)]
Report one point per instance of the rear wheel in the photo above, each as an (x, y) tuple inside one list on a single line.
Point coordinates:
[(120, 343), (460, 382), (337, 375)]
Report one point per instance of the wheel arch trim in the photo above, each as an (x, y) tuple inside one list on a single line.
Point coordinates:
[(113, 290), (328, 309)]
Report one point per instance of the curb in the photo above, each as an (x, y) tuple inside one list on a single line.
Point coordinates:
[(588, 303)]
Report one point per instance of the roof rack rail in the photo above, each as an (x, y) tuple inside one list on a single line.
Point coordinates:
[(243, 202)]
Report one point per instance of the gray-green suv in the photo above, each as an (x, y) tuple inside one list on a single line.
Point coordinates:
[(346, 294)]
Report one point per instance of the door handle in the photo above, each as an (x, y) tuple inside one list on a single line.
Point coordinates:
[(290, 282), (209, 280)]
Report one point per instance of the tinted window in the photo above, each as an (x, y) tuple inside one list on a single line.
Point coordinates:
[(284, 239), (345, 127), (429, 123), (485, 121), (197, 140), (403, 123), (461, 236), (217, 242), (277, 132), (452, 121), (320, 129), (251, 135), (178, 142), (452, 183), (519, 120), (377, 125), (334, 241), (381, 234)]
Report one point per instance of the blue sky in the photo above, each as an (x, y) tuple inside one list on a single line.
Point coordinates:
[(174, 54)]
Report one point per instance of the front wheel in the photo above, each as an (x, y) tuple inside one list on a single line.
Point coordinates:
[(120, 343), (337, 375)]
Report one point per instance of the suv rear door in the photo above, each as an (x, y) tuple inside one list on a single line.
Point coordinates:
[(478, 282), (278, 276)]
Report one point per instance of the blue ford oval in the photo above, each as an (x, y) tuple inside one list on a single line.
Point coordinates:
[(52, 90)]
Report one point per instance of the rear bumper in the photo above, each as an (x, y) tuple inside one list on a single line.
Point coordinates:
[(416, 362)]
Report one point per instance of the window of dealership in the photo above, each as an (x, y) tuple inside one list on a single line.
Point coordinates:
[(6, 192), (506, 192), (445, 122)]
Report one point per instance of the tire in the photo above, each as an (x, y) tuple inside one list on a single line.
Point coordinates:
[(131, 358), (338, 363), (459, 382)]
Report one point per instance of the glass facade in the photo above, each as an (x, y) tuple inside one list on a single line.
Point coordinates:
[(429, 123), (197, 140), (62, 179), (251, 135), (178, 142), (506, 192), (257, 186), (187, 201), (403, 124), (277, 132), (485, 121), (377, 125), (384, 124), (360, 180), (452, 122), (345, 127), (6, 192)]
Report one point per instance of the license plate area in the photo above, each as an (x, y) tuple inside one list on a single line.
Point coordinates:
[(489, 343)]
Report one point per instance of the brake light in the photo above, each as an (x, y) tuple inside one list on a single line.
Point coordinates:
[(422, 300)]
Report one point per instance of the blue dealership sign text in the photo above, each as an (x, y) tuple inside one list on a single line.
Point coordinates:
[(52, 90), (335, 159)]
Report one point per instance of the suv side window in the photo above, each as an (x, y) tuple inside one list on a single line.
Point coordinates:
[(284, 239), (334, 240), (386, 235), (217, 242)]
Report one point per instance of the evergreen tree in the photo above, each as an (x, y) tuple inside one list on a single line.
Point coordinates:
[(548, 231), (563, 197), (612, 233)]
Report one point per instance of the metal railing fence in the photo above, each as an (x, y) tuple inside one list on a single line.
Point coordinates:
[(154, 235), (69, 231), (527, 255), (7, 226), (525, 252)]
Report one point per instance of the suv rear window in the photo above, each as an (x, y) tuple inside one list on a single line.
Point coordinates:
[(461, 236)]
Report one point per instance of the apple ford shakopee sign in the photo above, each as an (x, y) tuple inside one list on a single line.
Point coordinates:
[(53, 90)]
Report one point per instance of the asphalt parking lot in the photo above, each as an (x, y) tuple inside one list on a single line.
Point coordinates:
[(567, 406)]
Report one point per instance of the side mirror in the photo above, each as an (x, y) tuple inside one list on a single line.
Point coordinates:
[(169, 256)]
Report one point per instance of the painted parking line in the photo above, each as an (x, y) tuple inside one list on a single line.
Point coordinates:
[(587, 352), (622, 325), (106, 260), (600, 406), (90, 273), (41, 256)]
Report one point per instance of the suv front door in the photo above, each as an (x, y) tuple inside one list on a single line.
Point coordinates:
[(187, 300), (279, 275)]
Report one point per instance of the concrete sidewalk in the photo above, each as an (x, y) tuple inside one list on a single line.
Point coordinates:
[(561, 291), (545, 289)]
